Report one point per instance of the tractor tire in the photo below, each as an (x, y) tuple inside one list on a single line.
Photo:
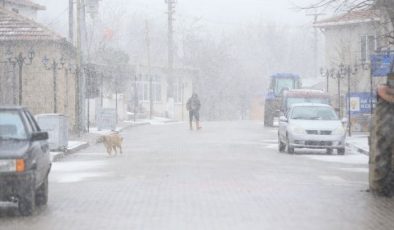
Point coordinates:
[(268, 114), (381, 178)]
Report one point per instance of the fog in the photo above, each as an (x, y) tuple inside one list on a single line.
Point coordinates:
[(233, 45)]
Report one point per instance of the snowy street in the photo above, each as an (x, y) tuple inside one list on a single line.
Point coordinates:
[(229, 175)]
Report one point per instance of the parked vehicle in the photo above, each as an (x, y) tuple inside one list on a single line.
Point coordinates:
[(24, 160), (314, 126), (279, 83), (303, 96)]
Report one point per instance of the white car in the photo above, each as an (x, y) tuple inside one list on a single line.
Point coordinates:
[(308, 125)]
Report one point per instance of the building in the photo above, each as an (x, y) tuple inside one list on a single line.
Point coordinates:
[(26, 8), (350, 41), (29, 53), (156, 77)]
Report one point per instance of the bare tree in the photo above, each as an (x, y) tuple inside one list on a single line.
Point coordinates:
[(386, 7)]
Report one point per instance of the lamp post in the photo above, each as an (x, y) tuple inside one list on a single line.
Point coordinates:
[(340, 73), (326, 74), (21, 61), (334, 74), (68, 69), (54, 65), (348, 71)]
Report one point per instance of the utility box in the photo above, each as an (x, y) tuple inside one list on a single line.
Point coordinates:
[(106, 119), (57, 127)]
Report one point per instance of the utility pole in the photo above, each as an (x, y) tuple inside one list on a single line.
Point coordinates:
[(315, 44), (78, 94), (71, 21), (170, 80), (147, 38)]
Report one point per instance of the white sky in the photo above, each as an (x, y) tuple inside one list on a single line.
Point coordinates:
[(213, 12)]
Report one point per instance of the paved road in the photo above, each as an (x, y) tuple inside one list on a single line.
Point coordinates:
[(227, 176)]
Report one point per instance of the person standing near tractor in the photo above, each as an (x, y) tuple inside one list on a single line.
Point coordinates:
[(193, 106)]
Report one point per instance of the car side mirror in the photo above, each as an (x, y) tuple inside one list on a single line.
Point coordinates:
[(283, 119), (39, 136), (344, 121)]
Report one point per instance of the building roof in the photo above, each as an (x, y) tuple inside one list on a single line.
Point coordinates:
[(15, 27), (26, 3), (352, 17)]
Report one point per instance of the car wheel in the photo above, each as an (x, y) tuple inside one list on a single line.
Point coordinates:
[(26, 204), (42, 193), (380, 158), (341, 151), (329, 151)]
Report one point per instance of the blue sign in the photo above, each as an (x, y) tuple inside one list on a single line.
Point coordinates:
[(381, 64), (360, 103)]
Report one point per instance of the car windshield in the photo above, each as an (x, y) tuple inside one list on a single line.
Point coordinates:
[(11, 126), (313, 113), (294, 100), (283, 83)]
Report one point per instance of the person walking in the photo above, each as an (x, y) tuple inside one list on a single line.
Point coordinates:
[(193, 106)]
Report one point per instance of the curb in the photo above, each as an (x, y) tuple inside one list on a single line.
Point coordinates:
[(359, 149)]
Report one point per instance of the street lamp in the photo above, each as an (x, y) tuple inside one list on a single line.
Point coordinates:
[(327, 74), (21, 61), (348, 71), (68, 69), (334, 74), (54, 65), (340, 73)]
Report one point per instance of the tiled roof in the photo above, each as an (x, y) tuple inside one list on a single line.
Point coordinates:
[(14, 27), (353, 17), (26, 3)]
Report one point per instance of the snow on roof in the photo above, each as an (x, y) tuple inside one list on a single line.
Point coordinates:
[(27, 3), (352, 17), (14, 27)]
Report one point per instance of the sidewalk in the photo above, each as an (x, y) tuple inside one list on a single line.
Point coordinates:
[(77, 143), (358, 142)]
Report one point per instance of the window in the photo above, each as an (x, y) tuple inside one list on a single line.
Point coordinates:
[(178, 92), (368, 47), (143, 89), (283, 83)]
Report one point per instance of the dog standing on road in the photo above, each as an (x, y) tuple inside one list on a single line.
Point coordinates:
[(112, 142)]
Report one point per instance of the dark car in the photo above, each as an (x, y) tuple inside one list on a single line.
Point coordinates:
[(24, 160)]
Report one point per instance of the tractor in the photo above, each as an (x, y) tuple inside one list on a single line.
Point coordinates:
[(279, 83), (381, 141)]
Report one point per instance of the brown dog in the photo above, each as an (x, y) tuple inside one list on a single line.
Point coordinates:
[(112, 142)]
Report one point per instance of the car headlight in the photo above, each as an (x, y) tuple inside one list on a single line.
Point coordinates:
[(14, 165), (339, 131), (298, 130)]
